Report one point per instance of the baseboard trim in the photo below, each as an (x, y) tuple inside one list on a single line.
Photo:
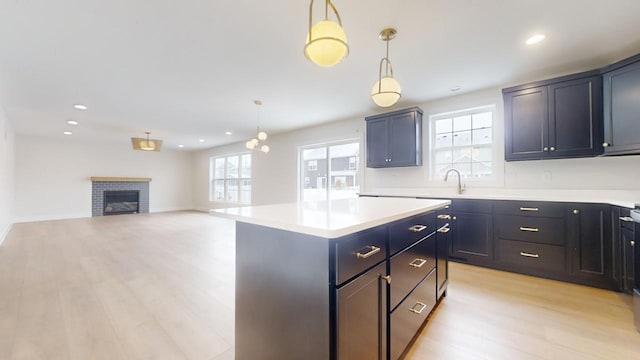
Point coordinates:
[(26, 219), (5, 232)]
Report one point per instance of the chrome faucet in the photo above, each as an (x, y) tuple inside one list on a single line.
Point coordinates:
[(461, 187)]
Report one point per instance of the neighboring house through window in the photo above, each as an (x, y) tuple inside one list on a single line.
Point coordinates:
[(230, 178), (330, 171)]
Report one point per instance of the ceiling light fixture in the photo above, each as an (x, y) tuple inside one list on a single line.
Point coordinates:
[(455, 88), (254, 144), (72, 122), (146, 144), (180, 146), (68, 133), (326, 41), (535, 39), (80, 107), (386, 91), (201, 140), (228, 133)]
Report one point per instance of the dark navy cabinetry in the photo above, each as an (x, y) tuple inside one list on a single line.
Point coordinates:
[(622, 107), (395, 139), (557, 118), (472, 238)]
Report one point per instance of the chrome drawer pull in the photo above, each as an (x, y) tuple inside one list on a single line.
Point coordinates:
[(417, 263), (529, 209), (445, 229), (529, 255), (417, 228), (372, 251), (421, 305), (530, 229), (444, 217), (626, 219)]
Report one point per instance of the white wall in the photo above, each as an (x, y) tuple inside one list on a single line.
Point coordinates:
[(275, 175), (7, 156), (52, 176)]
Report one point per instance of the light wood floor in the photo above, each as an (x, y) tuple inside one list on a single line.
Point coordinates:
[(161, 286)]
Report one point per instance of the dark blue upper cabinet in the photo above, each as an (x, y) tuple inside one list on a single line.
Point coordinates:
[(552, 119), (622, 108), (395, 139)]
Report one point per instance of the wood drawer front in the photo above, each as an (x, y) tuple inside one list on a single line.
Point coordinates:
[(530, 255), (407, 318), (475, 206), (406, 232), (409, 267), (530, 208), (359, 252), (533, 229)]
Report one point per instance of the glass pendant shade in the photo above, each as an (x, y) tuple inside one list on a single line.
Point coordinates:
[(386, 92), (262, 136), (264, 148), (147, 145), (327, 45)]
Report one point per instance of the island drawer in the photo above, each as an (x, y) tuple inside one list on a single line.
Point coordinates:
[(358, 252), (407, 318), (529, 208), (530, 255), (533, 229), (406, 232), (410, 266)]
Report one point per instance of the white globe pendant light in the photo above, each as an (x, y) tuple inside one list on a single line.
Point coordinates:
[(386, 91), (254, 143), (326, 43)]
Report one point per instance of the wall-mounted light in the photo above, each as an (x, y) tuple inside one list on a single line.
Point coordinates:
[(386, 91), (326, 40)]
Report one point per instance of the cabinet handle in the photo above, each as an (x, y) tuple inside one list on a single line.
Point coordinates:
[(454, 218), (545, 149), (626, 219), (605, 144), (444, 217), (445, 229), (576, 211), (417, 228), (529, 255), (418, 304), (387, 278), (529, 229), (632, 243), (372, 251), (529, 209), (417, 263), (552, 148)]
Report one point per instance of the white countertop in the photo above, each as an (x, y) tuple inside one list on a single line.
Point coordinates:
[(623, 198), (331, 219)]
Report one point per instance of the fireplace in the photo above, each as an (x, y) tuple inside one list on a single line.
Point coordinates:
[(121, 202)]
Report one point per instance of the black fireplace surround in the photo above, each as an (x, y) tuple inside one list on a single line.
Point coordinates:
[(121, 202)]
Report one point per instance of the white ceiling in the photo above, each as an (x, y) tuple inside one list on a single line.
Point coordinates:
[(190, 69)]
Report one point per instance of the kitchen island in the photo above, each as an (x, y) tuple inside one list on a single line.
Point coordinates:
[(343, 279)]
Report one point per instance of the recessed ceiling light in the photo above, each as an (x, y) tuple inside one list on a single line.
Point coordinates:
[(201, 140), (72, 122), (68, 133), (228, 133), (455, 88), (80, 107), (180, 146), (535, 39)]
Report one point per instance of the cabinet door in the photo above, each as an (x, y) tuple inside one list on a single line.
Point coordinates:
[(377, 140), (628, 260), (575, 118), (526, 124), (622, 110), (472, 238), (404, 133), (362, 317), (591, 244)]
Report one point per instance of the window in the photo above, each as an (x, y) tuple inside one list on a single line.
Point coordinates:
[(463, 140), (330, 171), (230, 178)]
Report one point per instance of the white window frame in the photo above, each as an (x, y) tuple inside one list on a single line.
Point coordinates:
[(493, 145), (358, 176), (226, 178)]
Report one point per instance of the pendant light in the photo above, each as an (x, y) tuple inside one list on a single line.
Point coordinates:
[(326, 41), (386, 91), (254, 144), (146, 144)]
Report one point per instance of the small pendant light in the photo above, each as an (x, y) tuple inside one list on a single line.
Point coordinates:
[(254, 144), (386, 91), (326, 41)]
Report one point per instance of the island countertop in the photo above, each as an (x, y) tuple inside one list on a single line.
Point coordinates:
[(331, 219)]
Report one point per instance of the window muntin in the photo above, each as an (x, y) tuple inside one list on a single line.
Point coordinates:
[(230, 178), (463, 140)]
